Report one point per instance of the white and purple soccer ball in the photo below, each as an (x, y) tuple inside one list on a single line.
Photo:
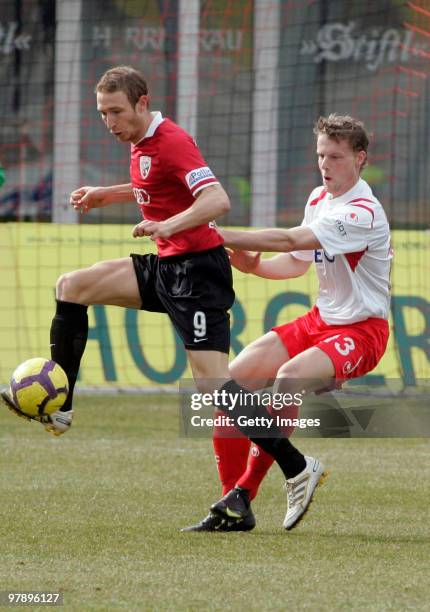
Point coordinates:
[(39, 386)]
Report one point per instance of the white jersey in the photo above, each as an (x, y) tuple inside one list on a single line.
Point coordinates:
[(353, 267)]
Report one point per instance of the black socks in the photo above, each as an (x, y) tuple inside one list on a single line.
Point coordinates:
[(69, 333)]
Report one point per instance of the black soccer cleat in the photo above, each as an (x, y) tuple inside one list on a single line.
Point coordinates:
[(233, 506), (212, 522)]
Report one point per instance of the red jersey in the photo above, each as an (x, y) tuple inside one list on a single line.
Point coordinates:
[(167, 172)]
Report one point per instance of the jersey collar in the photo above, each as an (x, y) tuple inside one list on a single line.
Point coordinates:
[(360, 185), (157, 118)]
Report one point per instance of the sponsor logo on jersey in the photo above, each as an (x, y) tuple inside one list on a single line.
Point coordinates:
[(341, 228), (142, 196), (318, 256), (145, 166), (198, 175)]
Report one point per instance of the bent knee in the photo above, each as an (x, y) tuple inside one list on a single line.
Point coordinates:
[(70, 287), (290, 370)]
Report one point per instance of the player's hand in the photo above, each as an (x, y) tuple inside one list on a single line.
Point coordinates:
[(85, 198), (245, 261), (153, 229)]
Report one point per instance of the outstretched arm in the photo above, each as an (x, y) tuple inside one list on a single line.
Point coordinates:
[(279, 267), (271, 240)]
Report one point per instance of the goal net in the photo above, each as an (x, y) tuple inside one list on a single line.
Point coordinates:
[(248, 79)]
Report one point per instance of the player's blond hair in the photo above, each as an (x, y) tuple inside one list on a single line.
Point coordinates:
[(126, 79)]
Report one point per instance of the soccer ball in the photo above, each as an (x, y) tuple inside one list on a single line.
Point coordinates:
[(39, 387)]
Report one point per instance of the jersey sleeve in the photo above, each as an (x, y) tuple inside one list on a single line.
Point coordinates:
[(182, 159), (344, 231)]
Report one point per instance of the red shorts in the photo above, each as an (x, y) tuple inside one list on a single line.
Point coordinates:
[(354, 349)]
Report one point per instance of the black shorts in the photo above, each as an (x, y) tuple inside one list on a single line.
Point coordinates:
[(195, 290)]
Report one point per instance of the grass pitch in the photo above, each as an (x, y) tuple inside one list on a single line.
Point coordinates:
[(97, 513)]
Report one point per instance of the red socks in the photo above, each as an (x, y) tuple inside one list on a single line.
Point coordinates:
[(258, 466), (231, 450)]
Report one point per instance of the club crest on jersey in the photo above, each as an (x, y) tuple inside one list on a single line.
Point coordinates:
[(352, 217), (145, 166)]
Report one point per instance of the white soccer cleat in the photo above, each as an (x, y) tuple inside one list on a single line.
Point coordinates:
[(300, 490), (59, 422)]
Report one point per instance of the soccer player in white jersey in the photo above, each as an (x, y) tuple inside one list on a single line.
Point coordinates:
[(346, 234)]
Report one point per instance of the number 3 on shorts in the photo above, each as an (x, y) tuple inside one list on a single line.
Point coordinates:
[(199, 323), (346, 348)]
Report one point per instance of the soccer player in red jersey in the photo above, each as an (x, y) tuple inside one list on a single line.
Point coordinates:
[(346, 234), (179, 197)]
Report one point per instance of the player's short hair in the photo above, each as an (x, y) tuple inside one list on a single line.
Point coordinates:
[(343, 127), (126, 79)]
